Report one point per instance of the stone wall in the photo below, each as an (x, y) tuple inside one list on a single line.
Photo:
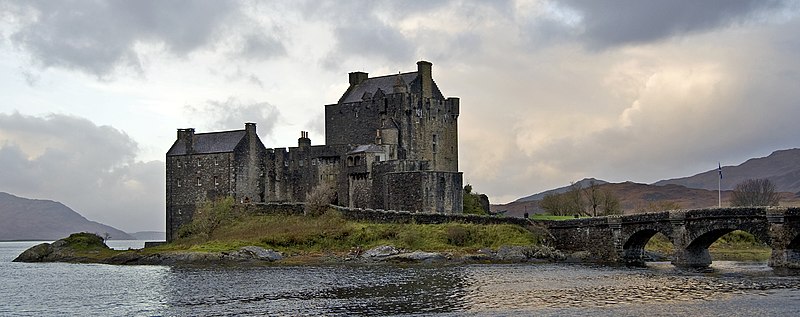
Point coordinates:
[(386, 216)]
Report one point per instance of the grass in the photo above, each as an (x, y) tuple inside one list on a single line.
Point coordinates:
[(330, 232), (734, 246)]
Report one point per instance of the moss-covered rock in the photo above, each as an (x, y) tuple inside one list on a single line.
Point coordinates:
[(78, 247)]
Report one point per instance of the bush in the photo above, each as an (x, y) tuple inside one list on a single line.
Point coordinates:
[(319, 199), (458, 235), (208, 217)]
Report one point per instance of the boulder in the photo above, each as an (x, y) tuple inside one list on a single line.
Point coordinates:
[(511, 254), (380, 252), (418, 256), (258, 253)]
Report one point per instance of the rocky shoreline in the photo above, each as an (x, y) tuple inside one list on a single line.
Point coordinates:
[(93, 250)]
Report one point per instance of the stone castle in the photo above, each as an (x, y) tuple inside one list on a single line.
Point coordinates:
[(391, 143)]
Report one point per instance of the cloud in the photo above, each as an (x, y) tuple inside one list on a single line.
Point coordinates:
[(609, 23), (232, 114), (88, 167), (102, 38)]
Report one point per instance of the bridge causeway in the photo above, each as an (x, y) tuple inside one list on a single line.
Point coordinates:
[(621, 239)]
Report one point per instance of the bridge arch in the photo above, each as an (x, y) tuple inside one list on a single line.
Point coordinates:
[(692, 251), (634, 242)]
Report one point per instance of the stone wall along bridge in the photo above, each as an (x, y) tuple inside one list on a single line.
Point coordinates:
[(621, 239)]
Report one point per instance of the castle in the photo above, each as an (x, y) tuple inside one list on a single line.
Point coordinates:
[(391, 142)]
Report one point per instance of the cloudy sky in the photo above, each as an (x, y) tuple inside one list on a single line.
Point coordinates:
[(92, 92)]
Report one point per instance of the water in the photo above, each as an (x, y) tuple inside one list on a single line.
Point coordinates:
[(730, 288)]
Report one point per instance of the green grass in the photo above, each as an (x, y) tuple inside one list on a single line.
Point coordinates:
[(735, 246), (331, 232)]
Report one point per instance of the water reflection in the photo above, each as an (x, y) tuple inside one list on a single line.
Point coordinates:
[(728, 288)]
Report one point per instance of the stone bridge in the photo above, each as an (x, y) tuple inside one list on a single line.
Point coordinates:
[(621, 239)]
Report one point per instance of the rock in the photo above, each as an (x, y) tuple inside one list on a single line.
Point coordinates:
[(380, 252), (258, 253), (37, 253), (130, 257), (78, 247), (418, 256), (511, 254)]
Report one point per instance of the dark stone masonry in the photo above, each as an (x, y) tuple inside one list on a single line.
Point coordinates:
[(391, 143), (621, 239)]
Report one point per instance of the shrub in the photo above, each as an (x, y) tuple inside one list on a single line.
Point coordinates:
[(319, 199)]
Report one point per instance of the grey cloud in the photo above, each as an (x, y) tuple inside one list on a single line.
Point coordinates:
[(101, 37), (261, 46), (232, 114), (87, 167), (359, 31), (609, 23)]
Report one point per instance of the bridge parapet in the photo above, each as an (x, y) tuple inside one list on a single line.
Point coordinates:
[(622, 238)]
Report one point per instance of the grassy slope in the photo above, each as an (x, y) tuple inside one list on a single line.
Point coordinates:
[(329, 232)]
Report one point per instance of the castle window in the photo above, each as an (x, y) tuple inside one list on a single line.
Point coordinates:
[(198, 182), (179, 163), (314, 162), (216, 181), (434, 143), (198, 162), (302, 163), (377, 158), (349, 161), (216, 163), (286, 163), (179, 183)]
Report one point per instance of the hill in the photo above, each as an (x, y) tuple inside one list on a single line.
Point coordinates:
[(781, 167), (583, 183), (33, 219), (637, 198)]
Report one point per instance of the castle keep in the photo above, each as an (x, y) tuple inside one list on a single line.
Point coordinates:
[(391, 142)]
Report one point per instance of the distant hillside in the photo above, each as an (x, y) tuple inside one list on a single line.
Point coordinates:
[(635, 198), (150, 235), (32, 219), (583, 183), (781, 167)]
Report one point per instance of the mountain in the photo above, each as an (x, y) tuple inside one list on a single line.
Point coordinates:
[(150, 235), (33, 219), (583, 183), (637, 198), (781, 167)]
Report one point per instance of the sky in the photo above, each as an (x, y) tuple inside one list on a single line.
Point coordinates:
[(92, 92)]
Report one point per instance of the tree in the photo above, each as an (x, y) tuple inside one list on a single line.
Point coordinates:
[(593, 196), (555, 204), (610, 203), (472, 202), (576, 200), (755, 192)]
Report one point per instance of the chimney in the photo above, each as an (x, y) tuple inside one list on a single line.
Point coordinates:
[(303, 141), (187, 136), (250, 129), (424, 73), (357, 78)]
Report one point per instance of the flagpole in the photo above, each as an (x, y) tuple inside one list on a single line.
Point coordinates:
[(719, 185)]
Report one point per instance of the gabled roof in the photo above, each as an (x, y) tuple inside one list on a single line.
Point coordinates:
[(367, 148), (207, 143), (372, 85)]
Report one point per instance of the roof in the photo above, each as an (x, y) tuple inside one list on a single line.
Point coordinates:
[(385, 84), (212, 142), (367, 148)]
